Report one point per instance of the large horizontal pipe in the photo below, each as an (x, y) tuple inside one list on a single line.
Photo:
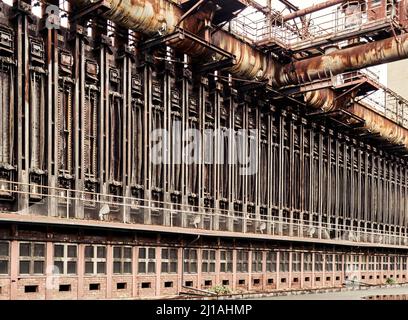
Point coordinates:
[(344, 60), (311, 9), (150, 16)]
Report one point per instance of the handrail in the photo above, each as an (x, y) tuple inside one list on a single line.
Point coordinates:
[(229, 220)]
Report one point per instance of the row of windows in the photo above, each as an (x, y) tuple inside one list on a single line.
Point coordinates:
[(32, 260)]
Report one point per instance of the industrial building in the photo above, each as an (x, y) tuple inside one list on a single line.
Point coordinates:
[(299, 179)]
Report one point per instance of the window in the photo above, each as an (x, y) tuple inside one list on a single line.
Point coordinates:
[(371, 263), (64, 287), (392, 263), (190, 261), (146, 285), (208, 261), (122, 260), (363, 263), (398, 263), (356, 263), (65, 258), (296, 262), (329, 262), (226, 261), (4, 257), (30, 289), (404, 263), (385, 263), (339, 262), (94, 286), (32, 258), (169, 260), (271, 261), (242, 261), (284, 261), (121, 286), (95, 259), (318, 262), (379, 266), (257, 261), (147, 260), (307, 262)]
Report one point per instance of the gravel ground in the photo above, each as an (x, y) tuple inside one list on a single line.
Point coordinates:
[(348, 295)]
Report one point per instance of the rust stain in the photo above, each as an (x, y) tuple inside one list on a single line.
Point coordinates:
[(378, 124)]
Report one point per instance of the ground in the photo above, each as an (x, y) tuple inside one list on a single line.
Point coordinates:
[(348, 295)]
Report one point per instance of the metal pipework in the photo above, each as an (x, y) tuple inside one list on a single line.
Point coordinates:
[(311, 9), (378, 124), (151, 16), (341, 61)]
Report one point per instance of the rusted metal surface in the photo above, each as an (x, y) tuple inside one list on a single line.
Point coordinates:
[(321, 99), (153, 16), (376, 123), (311, 9), (350, 59)]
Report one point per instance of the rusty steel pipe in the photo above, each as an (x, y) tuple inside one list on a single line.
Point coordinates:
[(344, 60), (311, 9), (152, 16), (378, 124)]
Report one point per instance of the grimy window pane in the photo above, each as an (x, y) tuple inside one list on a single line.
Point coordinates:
[(4, 248), (116, 267), (142, 253), (89, 252), (3, 267), (72, 251), (101, 267), (204, 267), (152, 253), (25, 250), (60, 266), (58, 251), (212, 267), (24, 267), (142, 267), (38, 267), (127, 253), (151, 267), (127, 267), (101, 252), (39, 250), (117, 252), (212, 254), (71, 267), (89, 267)]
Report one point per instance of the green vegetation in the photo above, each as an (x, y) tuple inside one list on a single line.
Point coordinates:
[(221, 290)]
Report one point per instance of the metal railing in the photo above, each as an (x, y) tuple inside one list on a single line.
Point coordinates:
[(384, 101), (326, 24), (65, 204)]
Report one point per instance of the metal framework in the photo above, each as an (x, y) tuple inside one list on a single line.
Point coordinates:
[(80, 108)]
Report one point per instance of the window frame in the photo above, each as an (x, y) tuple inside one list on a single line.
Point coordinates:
[(169, 261), (65, 259), (6, 258), (146, 261), (122, 260), (189, 261), (209, 261), (95, 260), (227, 262), (32, 258)]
